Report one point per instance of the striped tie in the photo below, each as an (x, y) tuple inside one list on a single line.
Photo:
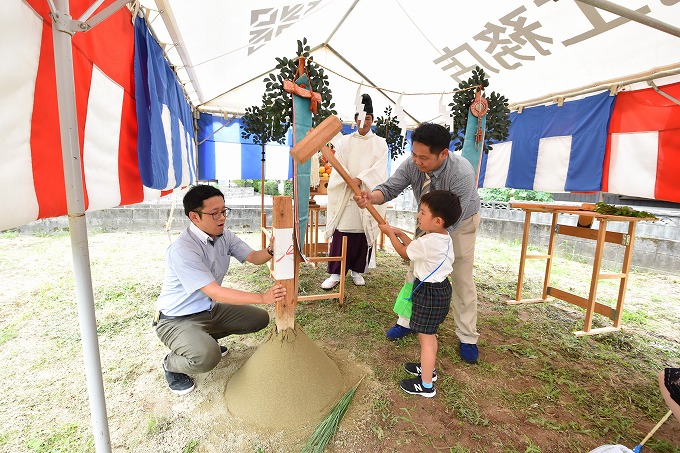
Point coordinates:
[(426, 187)]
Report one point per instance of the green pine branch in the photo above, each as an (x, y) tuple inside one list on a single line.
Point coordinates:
[(324, 432)]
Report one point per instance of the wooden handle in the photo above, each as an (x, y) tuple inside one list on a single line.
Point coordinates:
[(651, 433), (337, 166)]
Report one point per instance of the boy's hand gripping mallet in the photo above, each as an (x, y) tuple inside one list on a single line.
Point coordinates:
[(316, 140)]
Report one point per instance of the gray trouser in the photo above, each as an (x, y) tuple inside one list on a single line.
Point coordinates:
[(192, 339)]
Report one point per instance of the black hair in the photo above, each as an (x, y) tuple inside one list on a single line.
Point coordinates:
[(368, 105), (436, 137), (195, 196), (443, 204)]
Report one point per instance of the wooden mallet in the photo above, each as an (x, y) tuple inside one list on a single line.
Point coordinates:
[(316, 140)]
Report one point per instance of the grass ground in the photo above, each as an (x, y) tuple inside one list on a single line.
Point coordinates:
[(537, 387)]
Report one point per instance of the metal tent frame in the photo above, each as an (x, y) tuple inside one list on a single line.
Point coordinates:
[(64, 27)]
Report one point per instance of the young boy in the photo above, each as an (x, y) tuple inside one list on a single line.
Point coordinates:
[(432, 256)]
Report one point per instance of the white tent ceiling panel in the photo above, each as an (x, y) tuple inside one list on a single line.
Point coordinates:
[(528, 48), (230, 43)]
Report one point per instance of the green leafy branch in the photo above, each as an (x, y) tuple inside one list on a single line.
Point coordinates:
[(497, 120), (388, 128), (279, 103), (259, 124), (608, 209)]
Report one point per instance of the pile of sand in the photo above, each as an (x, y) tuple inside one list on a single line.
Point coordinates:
[(287, 383)]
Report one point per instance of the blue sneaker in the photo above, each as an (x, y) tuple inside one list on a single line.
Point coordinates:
[(469, 352), (396, 331)]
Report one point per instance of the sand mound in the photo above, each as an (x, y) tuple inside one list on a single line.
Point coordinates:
[(288, 382)]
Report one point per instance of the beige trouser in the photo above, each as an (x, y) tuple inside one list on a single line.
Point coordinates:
[(464, 297)]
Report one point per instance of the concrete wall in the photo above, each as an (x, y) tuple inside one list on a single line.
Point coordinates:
[(657, 245)]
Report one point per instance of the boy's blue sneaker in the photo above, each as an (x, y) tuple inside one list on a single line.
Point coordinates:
[(396, 331), (469, 352)]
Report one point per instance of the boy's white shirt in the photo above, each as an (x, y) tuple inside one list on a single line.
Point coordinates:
[(428, 252)]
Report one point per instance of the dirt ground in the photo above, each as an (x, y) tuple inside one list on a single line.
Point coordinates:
[(44, 398)]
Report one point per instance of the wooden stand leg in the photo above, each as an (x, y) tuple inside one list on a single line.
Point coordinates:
[(523, 255), (315, 233), (522, 263), (551, 251), (307, 249), (595, 278), (625, 269), (343, 269)]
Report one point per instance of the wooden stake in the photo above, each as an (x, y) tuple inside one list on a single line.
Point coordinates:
[(282, 223)]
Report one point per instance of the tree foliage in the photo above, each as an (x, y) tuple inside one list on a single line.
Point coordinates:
[(388, 128), (258, 124), (514, 195), (271, 121), (497, 120), (278, 103)]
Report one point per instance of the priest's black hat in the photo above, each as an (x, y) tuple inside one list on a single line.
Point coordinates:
[(368, 104)]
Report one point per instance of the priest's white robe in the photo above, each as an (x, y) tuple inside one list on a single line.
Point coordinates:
[(364, 157)]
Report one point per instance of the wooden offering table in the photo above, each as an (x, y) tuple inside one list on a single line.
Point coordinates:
[(312, 244), (601, 236), (313, 247)]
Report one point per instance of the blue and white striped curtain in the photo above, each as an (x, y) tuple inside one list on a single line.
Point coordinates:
[(224, 155)]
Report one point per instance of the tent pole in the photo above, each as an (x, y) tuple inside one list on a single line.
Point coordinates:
[(62, 31), (102, 15), (171, 25), (652, 74), (633, 15)]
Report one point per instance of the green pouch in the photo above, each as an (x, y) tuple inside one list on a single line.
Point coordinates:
[(403, 304)]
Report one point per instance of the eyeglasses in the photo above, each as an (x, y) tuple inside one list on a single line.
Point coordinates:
[(216, 215)]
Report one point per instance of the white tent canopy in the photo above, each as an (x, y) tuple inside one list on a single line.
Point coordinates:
[(418, 49), (423, 49)]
